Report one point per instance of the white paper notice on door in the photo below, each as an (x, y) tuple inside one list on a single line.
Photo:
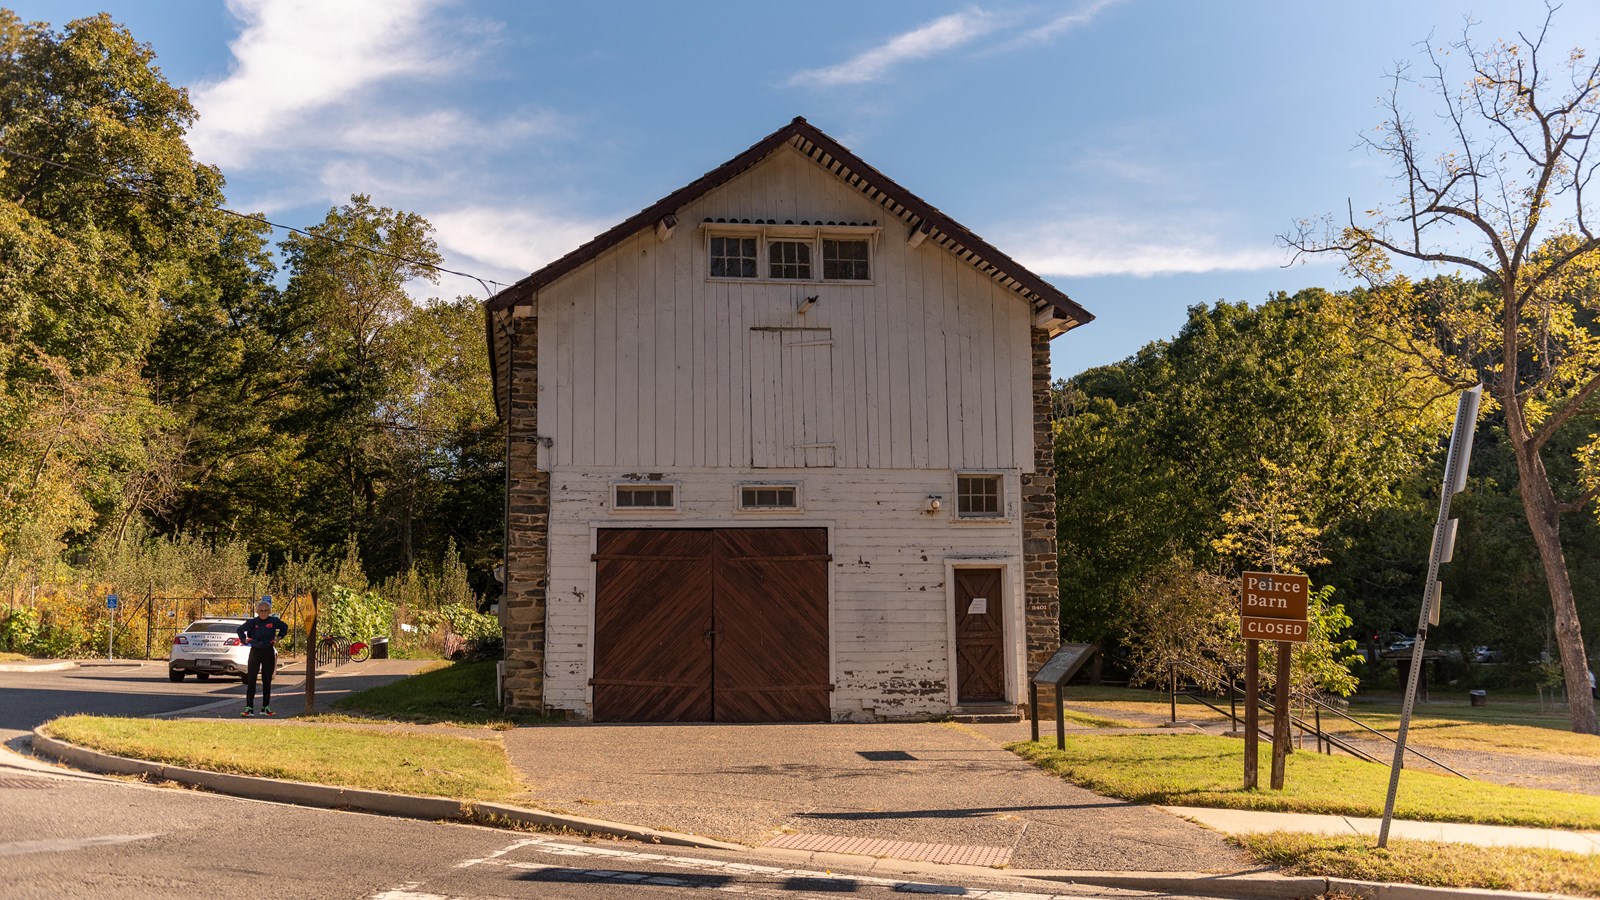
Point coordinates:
[(979, 606)]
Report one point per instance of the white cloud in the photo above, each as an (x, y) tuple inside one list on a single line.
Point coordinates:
[(1088, 246), (295, 58), (1083, 15), (512, 241), (943, 33)]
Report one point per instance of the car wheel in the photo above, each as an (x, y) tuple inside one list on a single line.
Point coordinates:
[(202, 676), (175, 675)]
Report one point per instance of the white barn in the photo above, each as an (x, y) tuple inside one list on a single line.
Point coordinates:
[(778, 450)]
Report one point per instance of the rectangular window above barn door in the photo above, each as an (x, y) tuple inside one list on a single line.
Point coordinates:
[(791, 398), (979, 496), (644, 496), (769, 497)]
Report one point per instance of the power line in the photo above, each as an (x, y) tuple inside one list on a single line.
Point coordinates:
[(254, 217)]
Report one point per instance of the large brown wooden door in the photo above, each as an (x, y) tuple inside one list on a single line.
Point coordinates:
[(652, 626), (771, 606), (700, 625), (980, 636)]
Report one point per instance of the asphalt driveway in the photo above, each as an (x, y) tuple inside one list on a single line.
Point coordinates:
[(926, 782)]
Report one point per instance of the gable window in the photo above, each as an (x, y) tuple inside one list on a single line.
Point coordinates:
[(733, 257), (844, 260), (769, 496), (789, 259), (978, 497), (645, 496), (765, 250)]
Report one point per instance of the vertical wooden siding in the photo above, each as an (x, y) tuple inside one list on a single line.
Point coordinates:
[(654, 364), (889, 613)]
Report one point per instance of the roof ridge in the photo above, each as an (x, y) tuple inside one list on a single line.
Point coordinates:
[(856, 171)]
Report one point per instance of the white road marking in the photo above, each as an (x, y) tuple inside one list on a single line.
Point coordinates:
[(498, 853), (58, 845), (826, 882), (406, 892)]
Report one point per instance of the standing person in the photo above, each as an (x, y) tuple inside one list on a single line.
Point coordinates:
[(260, 635)]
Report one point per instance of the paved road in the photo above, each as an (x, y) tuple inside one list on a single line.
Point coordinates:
[(28, 699), (64, 836)]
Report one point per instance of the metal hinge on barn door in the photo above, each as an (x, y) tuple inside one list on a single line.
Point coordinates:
[(791, 398)]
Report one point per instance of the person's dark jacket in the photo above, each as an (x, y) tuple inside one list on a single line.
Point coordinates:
[(259, 632)]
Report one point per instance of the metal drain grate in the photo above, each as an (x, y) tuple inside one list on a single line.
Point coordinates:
[(8, 781), (949, 854), (886, 756)]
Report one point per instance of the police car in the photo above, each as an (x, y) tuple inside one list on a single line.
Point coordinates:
[(208, 647)]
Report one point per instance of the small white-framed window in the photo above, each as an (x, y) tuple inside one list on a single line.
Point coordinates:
[(979, 496), (733, 257), (846, 259), (769, 496), (789, 260), (648, 496), (808, 251)]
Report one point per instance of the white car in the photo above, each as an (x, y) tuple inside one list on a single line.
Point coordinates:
[(209, 646)]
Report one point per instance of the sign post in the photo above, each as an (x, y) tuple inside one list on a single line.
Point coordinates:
[(311, 656), (111, 633), (1272, 607), (1444, 542)]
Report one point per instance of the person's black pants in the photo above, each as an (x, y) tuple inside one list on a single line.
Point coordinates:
[(265, 661)]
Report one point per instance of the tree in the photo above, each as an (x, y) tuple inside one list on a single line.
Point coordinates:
[(348, 302), (1503, 193), (101, 204)]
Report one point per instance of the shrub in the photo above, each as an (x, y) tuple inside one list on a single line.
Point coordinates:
[(358, 616)]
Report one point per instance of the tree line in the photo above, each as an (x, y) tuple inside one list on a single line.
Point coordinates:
[(168, 369)]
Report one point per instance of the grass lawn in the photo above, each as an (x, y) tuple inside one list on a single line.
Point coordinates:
[(12, 657), (1429, 863), (1508, 724), (1201, 770), (1511, 723), (406, 763), (450, 693), (1140, 701)]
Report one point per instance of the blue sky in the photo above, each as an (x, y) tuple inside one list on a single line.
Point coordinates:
[(1140, 154)]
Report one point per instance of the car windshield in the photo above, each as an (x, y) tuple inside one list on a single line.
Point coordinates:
[(219, 627)]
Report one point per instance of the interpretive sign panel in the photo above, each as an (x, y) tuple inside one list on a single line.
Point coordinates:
[(1066, 663)]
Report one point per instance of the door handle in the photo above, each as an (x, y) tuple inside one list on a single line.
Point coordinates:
[(711, 633)]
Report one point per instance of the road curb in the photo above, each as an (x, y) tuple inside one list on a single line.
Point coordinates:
[(329, 797), (1266, 886), (1244, 885), (38, 667)]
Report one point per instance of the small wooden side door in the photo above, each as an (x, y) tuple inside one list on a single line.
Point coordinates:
[(980, 636)]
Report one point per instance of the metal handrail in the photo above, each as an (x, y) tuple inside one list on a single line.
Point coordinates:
[(1317, 704)]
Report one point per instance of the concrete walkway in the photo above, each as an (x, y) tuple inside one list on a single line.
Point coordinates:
[(1240, 821), (936, 785)]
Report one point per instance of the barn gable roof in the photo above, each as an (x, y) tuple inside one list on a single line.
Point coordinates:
[(1054, 310)]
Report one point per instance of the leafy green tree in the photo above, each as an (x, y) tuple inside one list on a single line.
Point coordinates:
[(1502, 193), (100, 205), (348, 302), (1251, 439)]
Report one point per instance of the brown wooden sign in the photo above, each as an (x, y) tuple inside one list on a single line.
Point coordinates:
[(1252, 628), (1264, 595)]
